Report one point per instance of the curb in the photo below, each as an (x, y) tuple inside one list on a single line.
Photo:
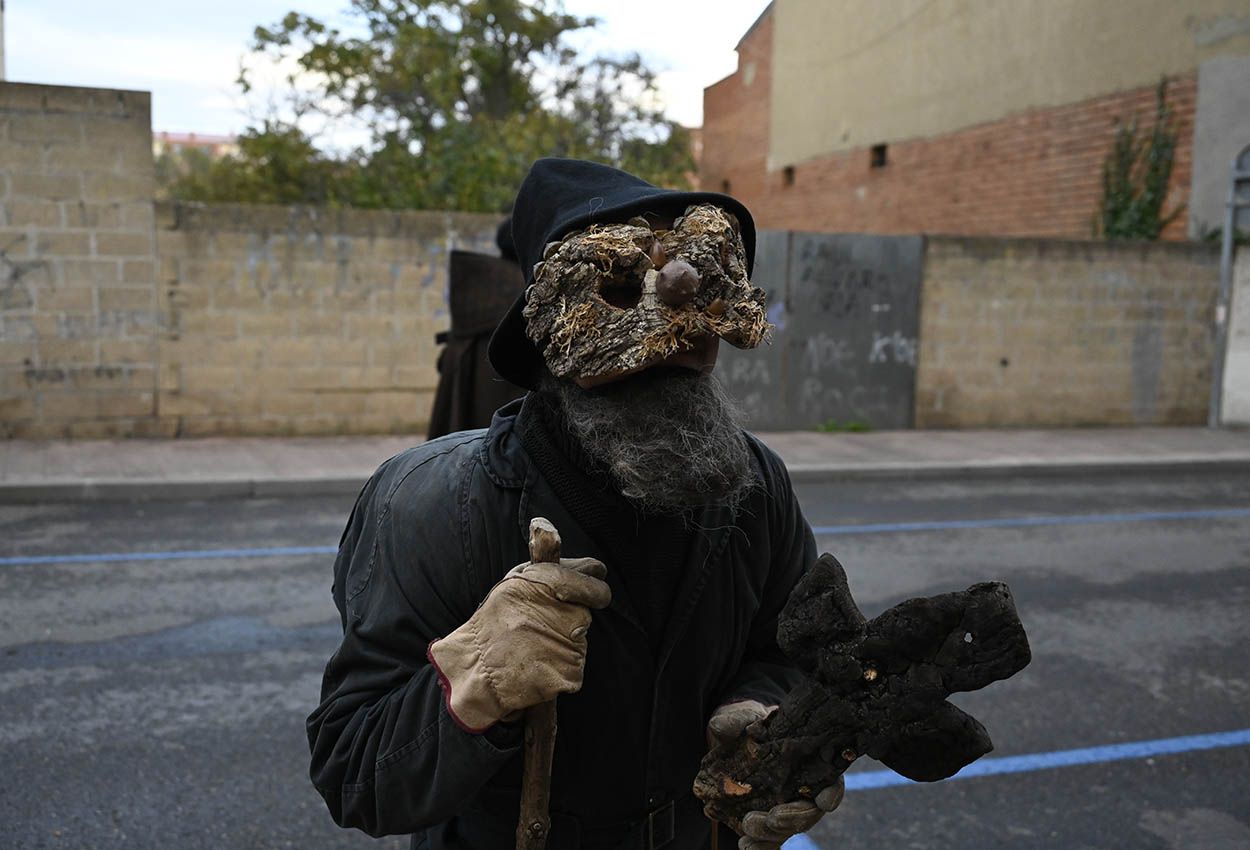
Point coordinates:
[(989, 469), (140, 489)]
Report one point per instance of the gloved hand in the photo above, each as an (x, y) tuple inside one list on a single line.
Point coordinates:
[(767, 830), (524, 644)]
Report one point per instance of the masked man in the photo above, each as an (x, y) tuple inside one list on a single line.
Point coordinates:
[(661, 636)]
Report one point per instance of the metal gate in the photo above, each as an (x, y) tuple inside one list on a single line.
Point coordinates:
[(846, 310)]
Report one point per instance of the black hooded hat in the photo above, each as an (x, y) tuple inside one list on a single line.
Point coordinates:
[(503, 239), (559, 196)]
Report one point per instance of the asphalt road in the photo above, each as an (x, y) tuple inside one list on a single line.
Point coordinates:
[(160, 703)]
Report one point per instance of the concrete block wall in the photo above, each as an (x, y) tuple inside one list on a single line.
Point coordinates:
[(78, 308), (304, 321), (1027, 332), (222, 319), (119, 318)]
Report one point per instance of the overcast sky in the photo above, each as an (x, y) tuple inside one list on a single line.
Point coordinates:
[(187, 54)]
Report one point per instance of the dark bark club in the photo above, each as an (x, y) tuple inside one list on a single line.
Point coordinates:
[(875, 688)]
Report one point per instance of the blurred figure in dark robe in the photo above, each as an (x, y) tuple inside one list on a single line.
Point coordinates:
[(481, 289)]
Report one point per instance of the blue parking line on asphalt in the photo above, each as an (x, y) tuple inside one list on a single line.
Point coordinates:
[(870, 780), (1026, 521), (822, 530), (995, 766)]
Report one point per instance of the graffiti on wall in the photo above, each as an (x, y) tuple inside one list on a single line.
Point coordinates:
[(846, 307)]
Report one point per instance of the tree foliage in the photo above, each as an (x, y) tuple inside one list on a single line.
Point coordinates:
[(276, 164), (456, 99), (1135, 177)]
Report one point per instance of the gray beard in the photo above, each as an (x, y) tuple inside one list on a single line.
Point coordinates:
[(670, 439)]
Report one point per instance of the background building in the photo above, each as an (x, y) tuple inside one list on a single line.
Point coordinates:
[(954, 116), (178, 143)]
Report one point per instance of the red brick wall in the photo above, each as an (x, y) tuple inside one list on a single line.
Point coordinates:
[(735, 123), (1037, 173)]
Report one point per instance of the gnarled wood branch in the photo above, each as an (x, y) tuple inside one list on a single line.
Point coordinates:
[(875, 688)]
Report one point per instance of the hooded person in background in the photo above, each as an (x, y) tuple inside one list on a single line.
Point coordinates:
[(479, 289), (661, 638)]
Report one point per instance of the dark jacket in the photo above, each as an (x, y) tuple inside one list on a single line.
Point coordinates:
[(430, 534)]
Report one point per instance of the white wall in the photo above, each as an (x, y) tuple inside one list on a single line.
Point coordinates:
[(1221, 130), (1236, 401)]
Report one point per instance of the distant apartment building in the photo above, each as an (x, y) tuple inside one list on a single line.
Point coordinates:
[(969, 117), (213, 145)]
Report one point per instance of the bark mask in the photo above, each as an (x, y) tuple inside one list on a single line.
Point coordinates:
[(614, 298)]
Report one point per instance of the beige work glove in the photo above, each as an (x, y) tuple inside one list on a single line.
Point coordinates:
[(768, 830), (524, 644)]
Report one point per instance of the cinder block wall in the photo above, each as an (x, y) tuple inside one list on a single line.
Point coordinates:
[(259, 320), (303, 321), (1034, 332), (78, 308), (119, 319)]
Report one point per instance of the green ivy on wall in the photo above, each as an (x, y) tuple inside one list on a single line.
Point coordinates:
[(1135, 177)]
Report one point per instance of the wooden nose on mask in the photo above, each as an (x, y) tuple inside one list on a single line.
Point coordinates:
[(678, 282)]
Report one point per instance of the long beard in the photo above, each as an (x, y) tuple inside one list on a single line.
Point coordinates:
[(670, 439)]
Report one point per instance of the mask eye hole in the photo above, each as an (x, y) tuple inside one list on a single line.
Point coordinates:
[(622, 292)]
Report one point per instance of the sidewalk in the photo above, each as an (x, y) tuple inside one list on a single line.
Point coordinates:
[(260, 466)]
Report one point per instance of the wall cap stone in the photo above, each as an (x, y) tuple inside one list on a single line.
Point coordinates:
[(337, 221), (994, 247), (77, 100)]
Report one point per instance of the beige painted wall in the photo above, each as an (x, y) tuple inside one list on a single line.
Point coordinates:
[(1038, 332), (851, 73)]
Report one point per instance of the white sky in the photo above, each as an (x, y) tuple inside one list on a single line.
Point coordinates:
[(188, 54)]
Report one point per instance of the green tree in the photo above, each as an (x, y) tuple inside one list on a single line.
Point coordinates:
[(457, 98), (1135, 177), (276, 164)]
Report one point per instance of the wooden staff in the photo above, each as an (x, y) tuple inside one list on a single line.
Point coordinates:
[(540, 724)]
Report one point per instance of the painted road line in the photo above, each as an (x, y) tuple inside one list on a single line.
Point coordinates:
[(1027, 521), (822, 530), (178, 555), (995, 766), (870, 780)]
